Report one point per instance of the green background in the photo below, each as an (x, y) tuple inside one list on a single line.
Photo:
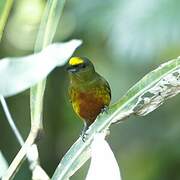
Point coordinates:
[(125, 40)]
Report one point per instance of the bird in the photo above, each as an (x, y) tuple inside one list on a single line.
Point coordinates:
[(88, 91)]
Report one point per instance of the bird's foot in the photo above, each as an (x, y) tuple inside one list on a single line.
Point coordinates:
[(84, 134), (105, 109)]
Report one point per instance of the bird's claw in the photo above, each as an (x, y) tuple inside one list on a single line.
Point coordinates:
[(84, 136), (104, 109)]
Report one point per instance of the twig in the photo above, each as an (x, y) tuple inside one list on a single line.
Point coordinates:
[(19, 158), (13, 168), (27, 148)]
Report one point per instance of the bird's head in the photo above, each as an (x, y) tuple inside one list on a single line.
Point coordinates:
[(80, 66)]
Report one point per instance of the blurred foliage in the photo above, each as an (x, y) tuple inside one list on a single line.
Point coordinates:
[(5, 8), (146, 29), (1, 6), (125, 40)]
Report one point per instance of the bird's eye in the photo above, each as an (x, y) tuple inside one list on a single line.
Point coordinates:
[(75, 66)]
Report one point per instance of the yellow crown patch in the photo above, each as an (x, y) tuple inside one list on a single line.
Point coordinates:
[(75, 61)]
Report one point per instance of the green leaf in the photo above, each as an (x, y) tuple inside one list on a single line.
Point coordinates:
[(3, 164), (103, 162), (47, 29), (18, 74), (49, 23), (145, 96)]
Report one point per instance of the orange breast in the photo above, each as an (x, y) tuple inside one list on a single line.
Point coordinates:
[(89, 104)]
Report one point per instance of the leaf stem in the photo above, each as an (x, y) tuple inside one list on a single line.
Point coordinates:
[(11, 121)]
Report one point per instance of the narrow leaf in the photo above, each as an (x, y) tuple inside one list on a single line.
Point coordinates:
[(18, 74), (103, 163), (162, 83), (47, 29), (49, 23)]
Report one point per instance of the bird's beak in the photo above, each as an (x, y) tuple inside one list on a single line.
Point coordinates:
[(71, 69)]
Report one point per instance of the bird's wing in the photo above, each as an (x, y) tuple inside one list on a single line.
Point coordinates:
[(70, 91), (108, 89)]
